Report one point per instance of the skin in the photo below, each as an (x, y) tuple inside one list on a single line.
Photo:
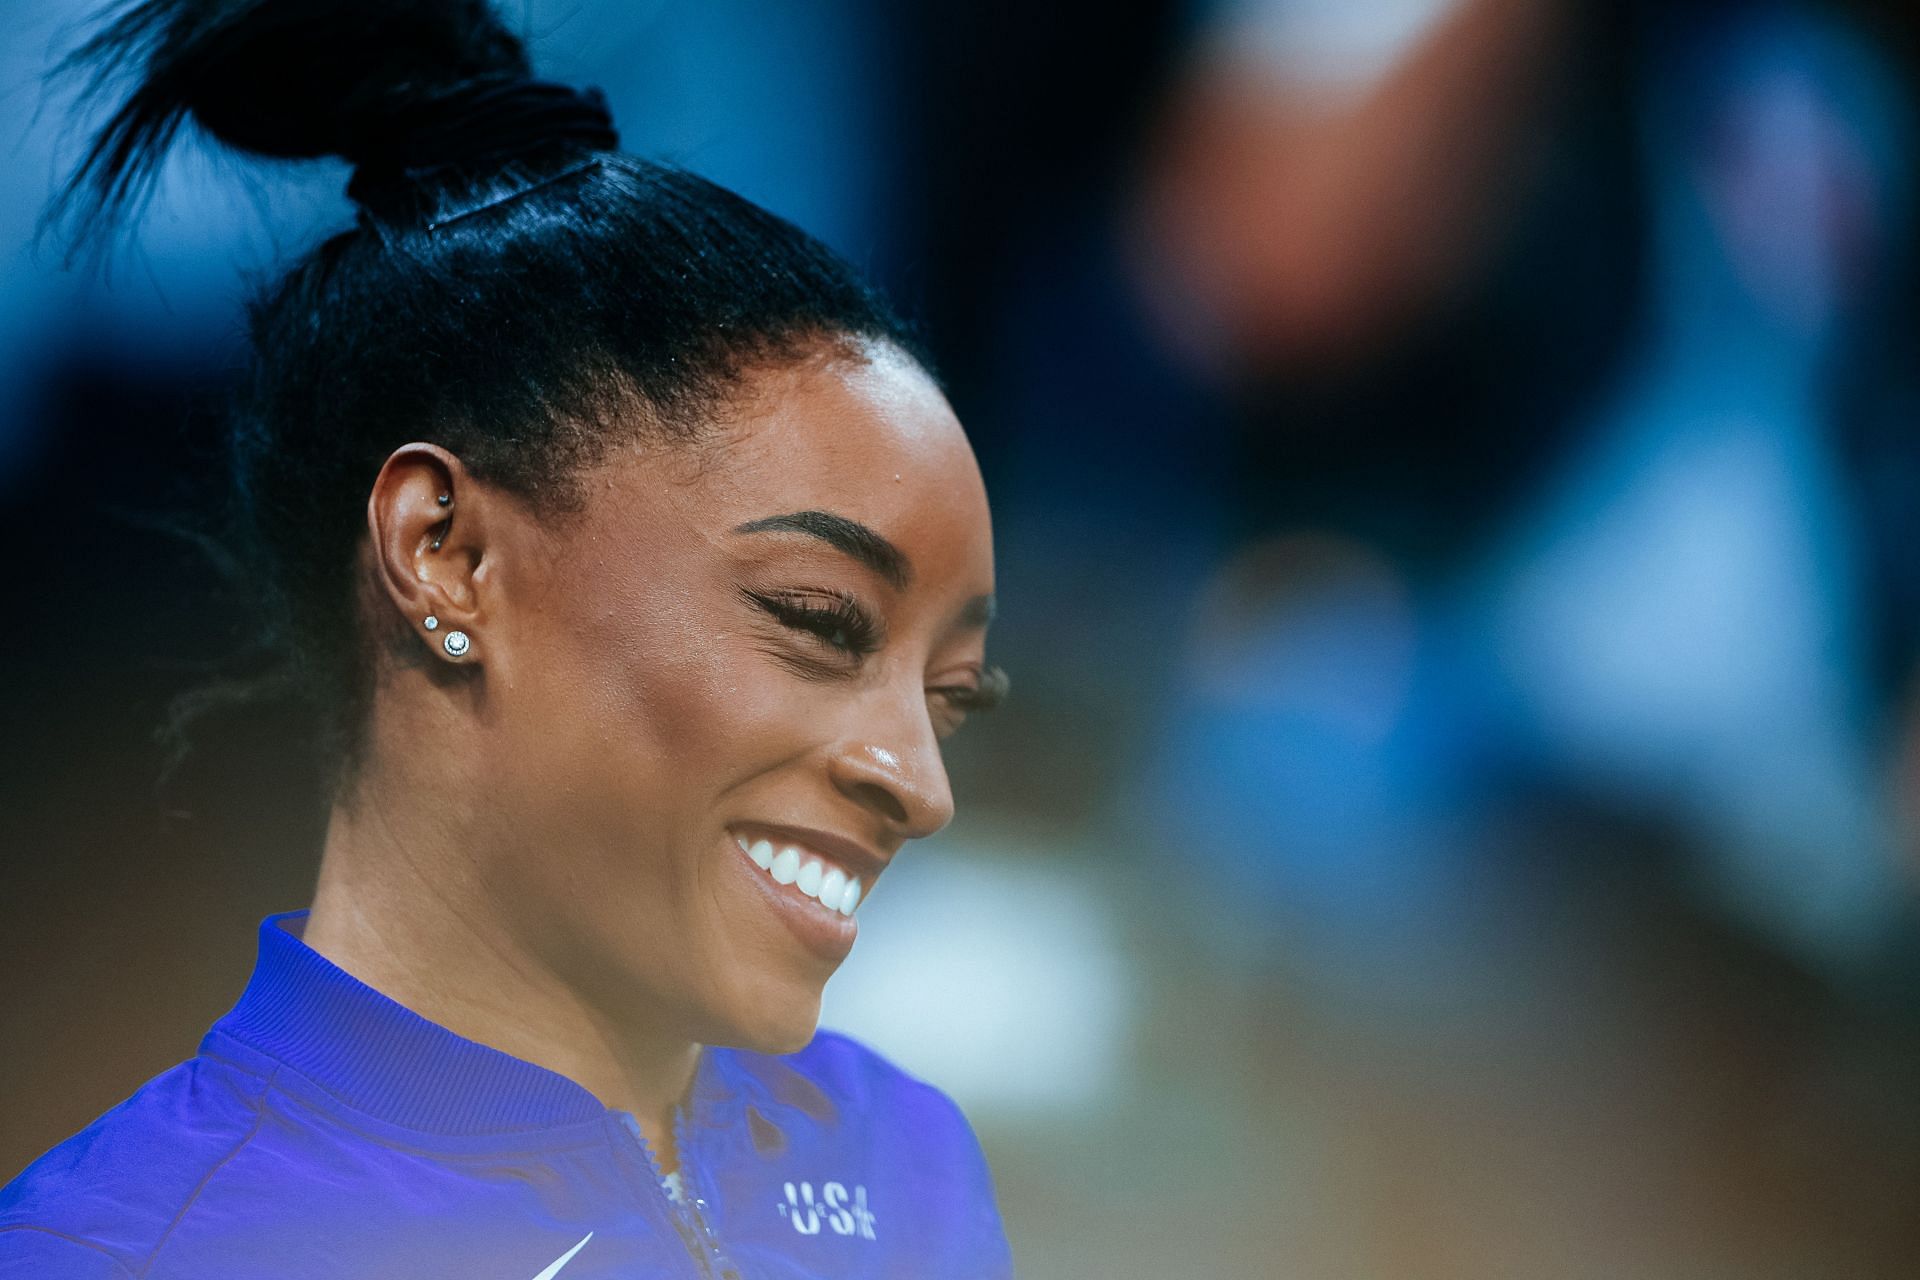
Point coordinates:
[(537, 855)]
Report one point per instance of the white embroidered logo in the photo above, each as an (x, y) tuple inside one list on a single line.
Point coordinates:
[(840, 1212), (553, 1268)]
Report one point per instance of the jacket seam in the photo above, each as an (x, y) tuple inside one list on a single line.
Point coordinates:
[(118, 1265), (244, 1068), (259, 1118)]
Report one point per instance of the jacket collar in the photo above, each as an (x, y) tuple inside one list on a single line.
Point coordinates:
[(380, 1057)]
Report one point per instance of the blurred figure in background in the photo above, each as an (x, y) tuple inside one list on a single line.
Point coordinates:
[(1643, 582), (1590, 519)]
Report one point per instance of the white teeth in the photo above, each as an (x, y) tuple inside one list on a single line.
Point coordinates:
[(786, 866), (808, 881), (833, 887)]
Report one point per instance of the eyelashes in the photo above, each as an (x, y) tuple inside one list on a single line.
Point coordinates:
[(841, 623), (985, 696)]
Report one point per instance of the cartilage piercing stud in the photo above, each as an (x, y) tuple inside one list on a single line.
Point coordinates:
[(455, 643), (445, 498)]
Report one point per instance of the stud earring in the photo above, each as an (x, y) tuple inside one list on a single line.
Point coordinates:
[(445, 498), (455, 643), (432, 623)]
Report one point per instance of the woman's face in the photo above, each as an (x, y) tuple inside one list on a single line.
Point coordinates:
[(743, 654)]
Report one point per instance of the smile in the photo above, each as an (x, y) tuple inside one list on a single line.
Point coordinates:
[(802, 869)]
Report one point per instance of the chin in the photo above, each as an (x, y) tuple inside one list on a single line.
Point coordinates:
[(773, 1021), (789, 1040)]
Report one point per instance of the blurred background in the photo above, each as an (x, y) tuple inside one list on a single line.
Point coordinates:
[(1456, 468)]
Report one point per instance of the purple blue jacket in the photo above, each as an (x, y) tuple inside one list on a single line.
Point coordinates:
[(325, 1132)]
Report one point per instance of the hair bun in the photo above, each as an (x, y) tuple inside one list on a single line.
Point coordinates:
[(370, 80)]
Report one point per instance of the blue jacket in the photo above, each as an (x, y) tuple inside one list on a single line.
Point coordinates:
[(324, 1130)]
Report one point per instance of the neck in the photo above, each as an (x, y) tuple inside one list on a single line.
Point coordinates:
[(397, 907)]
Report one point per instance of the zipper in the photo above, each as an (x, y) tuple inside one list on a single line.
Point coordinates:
[(688, 1213), (696, 1205)]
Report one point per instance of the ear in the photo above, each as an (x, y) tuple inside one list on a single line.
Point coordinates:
[(430, 555)]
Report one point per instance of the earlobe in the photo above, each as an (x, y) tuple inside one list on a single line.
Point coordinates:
[(423, 518), (455, 642)]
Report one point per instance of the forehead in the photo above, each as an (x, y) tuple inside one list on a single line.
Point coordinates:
[(870, 439)]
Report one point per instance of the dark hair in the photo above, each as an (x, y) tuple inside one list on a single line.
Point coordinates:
[(527, 311)]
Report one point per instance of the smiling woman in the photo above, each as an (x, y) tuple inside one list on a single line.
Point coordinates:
[(637, 566)]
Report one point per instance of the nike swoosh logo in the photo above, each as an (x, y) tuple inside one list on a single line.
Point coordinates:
[(553, 1268)]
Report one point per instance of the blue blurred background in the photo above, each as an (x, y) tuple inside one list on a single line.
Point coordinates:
[(1456, 468)]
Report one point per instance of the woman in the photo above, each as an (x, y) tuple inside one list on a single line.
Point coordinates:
[(638, 566)]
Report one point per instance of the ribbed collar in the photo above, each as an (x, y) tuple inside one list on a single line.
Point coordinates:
[(382, 1058)]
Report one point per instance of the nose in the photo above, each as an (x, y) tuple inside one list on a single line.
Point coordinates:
[(896, 773)]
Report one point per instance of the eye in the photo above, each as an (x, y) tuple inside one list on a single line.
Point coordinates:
[(962, 700), (836, 620)]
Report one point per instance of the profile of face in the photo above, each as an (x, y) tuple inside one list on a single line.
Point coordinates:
[(714, 702)]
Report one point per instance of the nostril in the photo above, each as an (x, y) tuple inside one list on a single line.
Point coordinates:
[(878, 797)]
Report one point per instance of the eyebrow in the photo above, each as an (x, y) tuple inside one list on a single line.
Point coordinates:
[(857, 540)]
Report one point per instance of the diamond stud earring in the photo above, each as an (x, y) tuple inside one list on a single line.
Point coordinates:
[(432, 623), (455, 644)]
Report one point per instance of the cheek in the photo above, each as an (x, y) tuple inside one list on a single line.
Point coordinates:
[(659, 715)]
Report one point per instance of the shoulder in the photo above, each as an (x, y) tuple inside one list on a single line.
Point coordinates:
[(99, 1203), (35, 1253)]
